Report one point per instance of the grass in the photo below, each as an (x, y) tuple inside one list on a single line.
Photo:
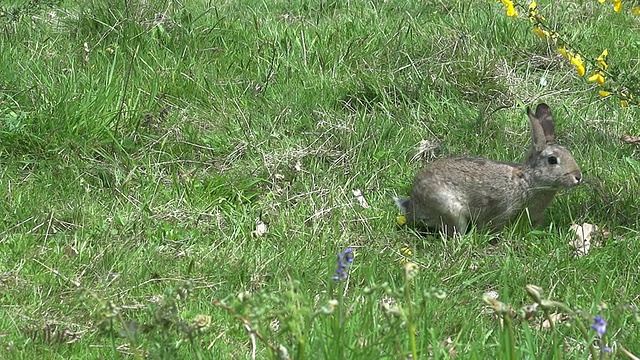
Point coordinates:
[(142, 143)]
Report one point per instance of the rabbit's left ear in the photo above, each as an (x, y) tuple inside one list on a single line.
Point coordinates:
[(542, 126)]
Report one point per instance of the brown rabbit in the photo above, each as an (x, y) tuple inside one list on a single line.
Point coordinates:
[(452, 193)]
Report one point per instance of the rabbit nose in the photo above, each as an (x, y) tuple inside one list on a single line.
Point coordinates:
[(578, 178)]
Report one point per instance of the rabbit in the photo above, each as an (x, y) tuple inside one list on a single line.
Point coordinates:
[(452, 193)]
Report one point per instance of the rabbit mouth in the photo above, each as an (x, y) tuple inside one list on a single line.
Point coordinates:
[(567, 182)]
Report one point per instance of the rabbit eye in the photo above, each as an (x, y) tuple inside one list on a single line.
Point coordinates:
[(552, 160)]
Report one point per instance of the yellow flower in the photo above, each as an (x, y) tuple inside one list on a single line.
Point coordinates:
[(635, 10), (401, 220), (576, 60), (563, 51), (534, 17), (598, 77), (604, 93), (538, 31), (601, 1), (617, 5), (532, 12), (511, 10), (405, 255), (602, 59), (542, 33), (406, 251)]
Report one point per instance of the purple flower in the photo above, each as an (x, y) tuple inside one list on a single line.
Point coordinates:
[(599, 325), (345, 259), (348, 256)]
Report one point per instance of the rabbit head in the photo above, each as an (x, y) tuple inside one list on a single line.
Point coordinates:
[(552, 165)]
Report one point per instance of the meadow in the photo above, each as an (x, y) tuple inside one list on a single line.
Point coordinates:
[(177, 179)]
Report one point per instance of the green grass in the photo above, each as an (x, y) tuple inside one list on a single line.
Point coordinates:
[(135, 168)]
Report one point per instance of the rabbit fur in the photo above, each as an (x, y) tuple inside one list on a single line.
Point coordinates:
[(452, 193)]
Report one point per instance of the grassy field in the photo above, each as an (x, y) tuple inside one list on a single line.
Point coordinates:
[(177, 179)]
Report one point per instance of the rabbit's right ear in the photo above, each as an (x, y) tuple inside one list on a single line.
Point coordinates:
[(542, 126), (543, 113)]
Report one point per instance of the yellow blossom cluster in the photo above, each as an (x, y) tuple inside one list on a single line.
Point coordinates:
[(598, 74), (599, 67), (537, 21), (574, 58), (617, 6), (541, 30)]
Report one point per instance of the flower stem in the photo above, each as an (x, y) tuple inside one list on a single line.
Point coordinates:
[(409, 318)]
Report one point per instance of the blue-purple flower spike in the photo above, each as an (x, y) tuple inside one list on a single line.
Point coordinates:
[(345, 259), (348, 256), (599, 325)]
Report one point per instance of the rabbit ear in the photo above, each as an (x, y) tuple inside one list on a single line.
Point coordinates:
[(542, 126), (543, 113)]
